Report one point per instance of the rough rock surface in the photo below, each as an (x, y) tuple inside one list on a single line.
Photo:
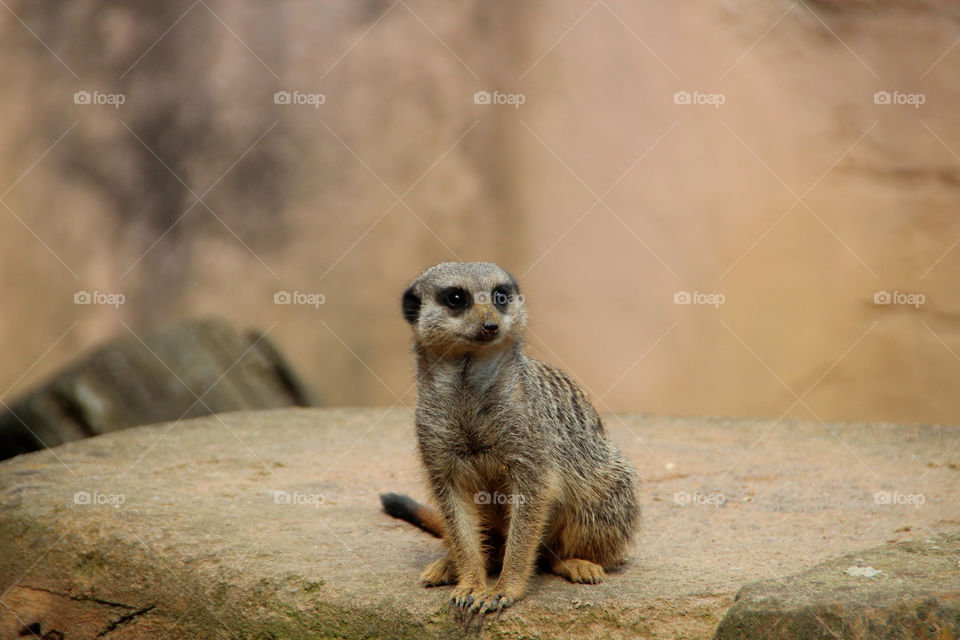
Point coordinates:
[(267, 525), (905, 590)]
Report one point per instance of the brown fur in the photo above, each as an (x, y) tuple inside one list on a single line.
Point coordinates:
[(491, 421)]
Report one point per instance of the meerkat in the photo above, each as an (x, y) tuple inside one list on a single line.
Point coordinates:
[(516, 456)]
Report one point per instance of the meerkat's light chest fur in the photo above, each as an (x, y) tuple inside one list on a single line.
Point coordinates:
[(468, 422)]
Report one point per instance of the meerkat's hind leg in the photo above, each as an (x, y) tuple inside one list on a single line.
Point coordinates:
[(578, 570), (438, 573)]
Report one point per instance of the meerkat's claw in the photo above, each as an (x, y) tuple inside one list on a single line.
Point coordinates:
[(491, 606), (490, 601), (464, 595)]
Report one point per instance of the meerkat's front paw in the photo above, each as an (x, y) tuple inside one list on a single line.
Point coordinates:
[(490, 601), (465, 594), (577, 570), (439, 572)]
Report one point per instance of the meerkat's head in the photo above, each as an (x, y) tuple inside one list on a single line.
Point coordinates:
[(457, 308)]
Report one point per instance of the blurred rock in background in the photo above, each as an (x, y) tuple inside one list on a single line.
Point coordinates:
[(798, 160), (191, 369)]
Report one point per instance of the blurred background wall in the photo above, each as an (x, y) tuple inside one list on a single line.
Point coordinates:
[(784, 163)]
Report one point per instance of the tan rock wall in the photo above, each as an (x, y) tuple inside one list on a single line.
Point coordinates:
[(694, 198)]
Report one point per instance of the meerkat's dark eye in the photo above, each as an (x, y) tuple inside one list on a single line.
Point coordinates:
[(501, 298), (454, 298)]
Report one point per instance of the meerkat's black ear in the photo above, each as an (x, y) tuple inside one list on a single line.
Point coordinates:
[(513, 283), (411, 306)]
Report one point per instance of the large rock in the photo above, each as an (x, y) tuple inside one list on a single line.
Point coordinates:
[(906, 590), (268, 525)]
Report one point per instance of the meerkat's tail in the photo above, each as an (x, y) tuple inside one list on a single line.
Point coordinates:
[(406, 508)]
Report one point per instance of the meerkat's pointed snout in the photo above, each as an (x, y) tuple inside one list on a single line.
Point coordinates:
[(489, 321)]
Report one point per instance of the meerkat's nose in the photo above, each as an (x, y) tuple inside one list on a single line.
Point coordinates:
[(491, 328)]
